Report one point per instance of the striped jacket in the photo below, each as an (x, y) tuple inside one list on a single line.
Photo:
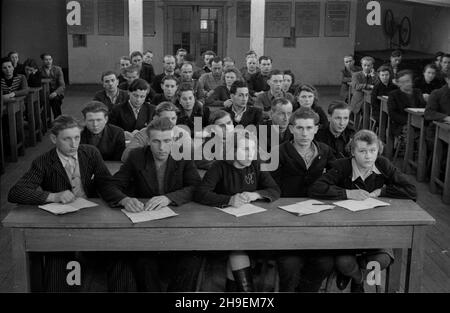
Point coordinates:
[(19, 86), (47, 175)]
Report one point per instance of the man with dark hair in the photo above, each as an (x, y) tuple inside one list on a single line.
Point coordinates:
[(32, 73), (346, 75), (438, 108), (156, 176), (179, 56), (338, 133), (240, 112), (264, 100), (206, 57), (210, 81), (136, 113), (146, 70), (382, 88), (169, 70), (13, 85), (111, 95), (109, 139), (395, 62), (57, 84), (68, 171), (363, 80), (18, 67), (444, 68), (169, 86), (186, 71), (258, 82)]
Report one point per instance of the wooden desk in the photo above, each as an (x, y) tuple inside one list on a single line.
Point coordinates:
[(33, 115), (114, 166), (14, 111), (366, 109), (442, 136), (416, 123), (384, 130), (46, 100), (402, 225), (2, 149)]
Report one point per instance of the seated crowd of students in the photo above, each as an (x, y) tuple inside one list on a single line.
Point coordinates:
[(147, 120)]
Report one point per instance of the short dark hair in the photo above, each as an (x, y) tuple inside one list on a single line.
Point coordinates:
[(95, 107), (367, 136), (148, 51), (185, 87), (63, 122), (159, 123), (231, 70), (131, 69), (216, 59), (396, 53), (30, 63), (107, 73), (208, 52), (384, 68), (308, 88), (264, 57), (279, 101), (189, 58), (181, 50), (275, 72), (11, 53), (446, 55), (227, 59), (138, 84), (170, 77), (136, 53), (166, 106), (305, 114), (5, 60), (43, 55), (438, 54), (125, 57), (237, 84), (431, 65), (404, 73), (338, 105), (290, 73), (217, 115)]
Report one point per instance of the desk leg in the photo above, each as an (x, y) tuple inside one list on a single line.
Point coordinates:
[(20, 260), (395, 272), (12, 131), (446, 189), (409, 147), (414, 266), (31, 121)]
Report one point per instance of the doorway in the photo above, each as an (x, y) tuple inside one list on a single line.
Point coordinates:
[(196, 28)]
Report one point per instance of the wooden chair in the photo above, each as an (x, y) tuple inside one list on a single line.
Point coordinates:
[(14, 112), (441, 138), (416, 124)]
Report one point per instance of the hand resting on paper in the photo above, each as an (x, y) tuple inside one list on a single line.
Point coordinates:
[(357, 194), (132, 204), (63, 197), (156, 203)]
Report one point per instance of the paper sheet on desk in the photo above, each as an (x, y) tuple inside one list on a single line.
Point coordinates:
[(359, 205), (246, 209), (58, 208), (306, 207), (145, 216), (417, 110)]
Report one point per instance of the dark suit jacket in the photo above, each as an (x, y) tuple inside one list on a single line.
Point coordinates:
[(156, 84), (151, 93), (398, 101), (257, 83), (147, 72), (252, 116), (111, 144), (139, 171), (198, 111), (123, 116), (47, 175), (360, 83), (437, 108), (101, 96)]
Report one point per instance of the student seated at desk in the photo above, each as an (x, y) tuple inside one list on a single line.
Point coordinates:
[(346, 75), (302, 161), (258, 81), (251, 67), (146, 71), (169, 70), (240, 111), (124, 62), (111, 95), (169, 86), (69, 170), (395, 64), (135, 114), (32, 73), (18, 67), (181, 137), (265, 98), (186, 72), (221, 95), (236, 182), (400, 99), (338, 134), (13, 85), (428, 81), (206, 57), (308, 97), (108, 138), (131, 73), (366, 174), (213, 79), (150, 172), (382, 88), (190, 108), (444, 68), (289, 84), (57, 84), (363, 80)]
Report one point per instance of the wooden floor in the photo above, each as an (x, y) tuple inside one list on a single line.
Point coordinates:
[(437, 255)]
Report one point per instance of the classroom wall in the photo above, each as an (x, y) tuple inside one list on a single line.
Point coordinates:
[(23, 29)]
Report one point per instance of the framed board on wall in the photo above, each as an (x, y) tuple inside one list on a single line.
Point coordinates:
[(111, 17), (148, 14), (86, 26), (278, 19), (337, 19), (243, 19), (307, 19)]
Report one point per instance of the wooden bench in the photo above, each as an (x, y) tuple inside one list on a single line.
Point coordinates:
[(13, 108), (384, 129), (366, 109), (441, 138), (2, 150), (46, 101), (416, 124), (33, 109)]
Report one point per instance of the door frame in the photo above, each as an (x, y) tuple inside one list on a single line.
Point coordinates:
[(222, 33)]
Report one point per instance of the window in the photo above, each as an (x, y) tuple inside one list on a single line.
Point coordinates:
[(79, 40), (110, 17)]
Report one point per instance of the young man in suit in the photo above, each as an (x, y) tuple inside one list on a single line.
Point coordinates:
[(258, 82), (109, 139), (157, 177), (210, 81), (169, 86), (67, 171), (111, 95), (346, 75), (240, 112), (395, 62), (57, 84), (136, 113), (169, 70), (301, 162), (363, 80), (146, 71)]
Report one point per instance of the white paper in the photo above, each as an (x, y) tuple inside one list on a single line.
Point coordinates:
[(246, 209), (306, 207), (151, 215), (417, 110), (77, 204), (359, 205)]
